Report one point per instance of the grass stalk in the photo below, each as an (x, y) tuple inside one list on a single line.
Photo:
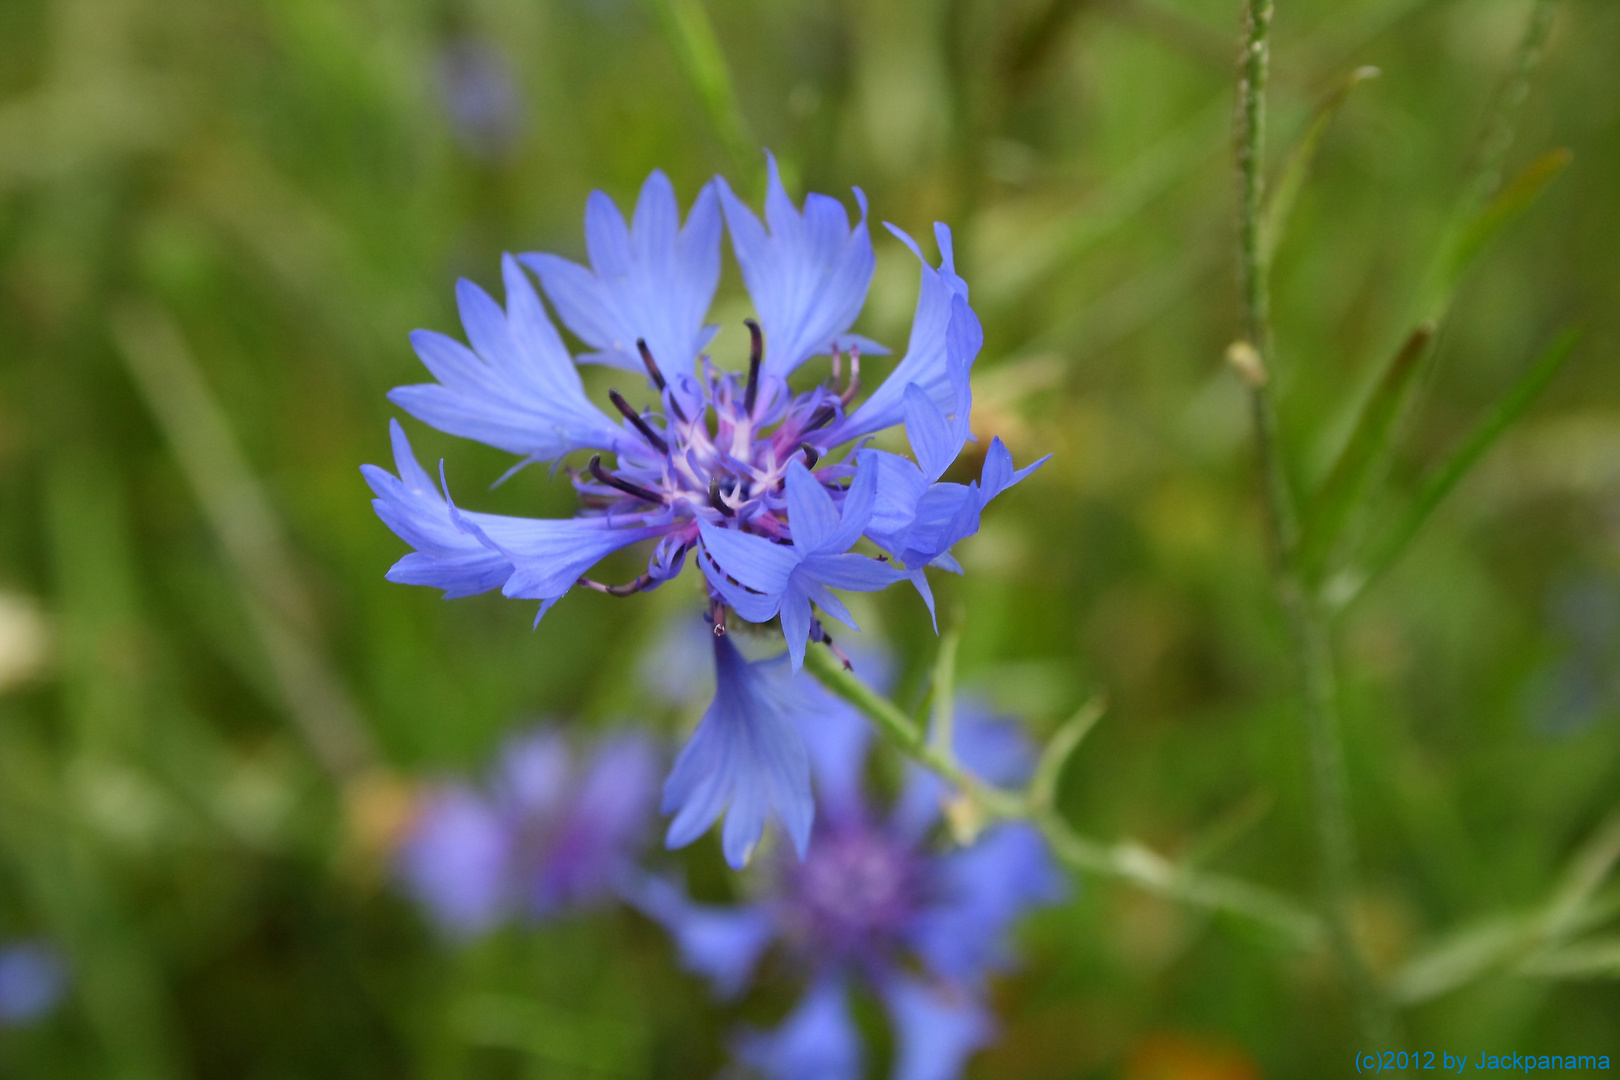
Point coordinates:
[(1307, 623)]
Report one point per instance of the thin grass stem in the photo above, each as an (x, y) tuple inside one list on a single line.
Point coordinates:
[(1307, 623)]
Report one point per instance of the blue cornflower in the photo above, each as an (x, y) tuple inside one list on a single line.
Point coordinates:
[(33, 978), (544, 836), (768, 490), (874, 903), (484, 102)]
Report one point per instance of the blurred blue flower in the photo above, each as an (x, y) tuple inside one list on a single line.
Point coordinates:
[(545, 835), (767, 490), (873, 902), (481, 96), (1573, 689), (33, 978)]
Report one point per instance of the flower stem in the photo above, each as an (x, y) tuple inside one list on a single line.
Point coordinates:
[(1307, 624), (942, 736), (1124, 861)]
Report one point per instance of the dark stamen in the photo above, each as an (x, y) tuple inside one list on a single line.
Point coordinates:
[(715, 500), (652, 366), (756, 350), (811, 455), (629, 588), (655, 440), (658, 378), (625, 486), (820, 418), (819, 633), (717, 615)]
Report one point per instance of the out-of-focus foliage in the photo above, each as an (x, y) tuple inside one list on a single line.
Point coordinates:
[(218, 222)]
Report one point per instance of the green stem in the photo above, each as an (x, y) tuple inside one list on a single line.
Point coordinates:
[(942, 736), (1308, 627), (1125, 861)]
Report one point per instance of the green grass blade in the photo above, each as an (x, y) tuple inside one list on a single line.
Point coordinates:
[(1597, 958), (1298, 168), (1061, 747), (690, 33), (1465, 244), (942, 733), (1367, 448), (1443, 479)]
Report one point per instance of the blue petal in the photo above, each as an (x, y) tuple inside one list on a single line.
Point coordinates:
[(838, 739), (940, 296), (811, 512), (467, 553), (721, 944), (812, 577), (998, 474), (617, 794), (807, 276), (985, 889), (456, 862), (946, 514), (603, 826), (930, 434), (651, 281), (991, 747), (852, 571), (755, 563), (850, 342), (818, 1040), (745, 760), (533, 774), (446, 556), (33, 978), (860, 503), (899, 485), (795, 612), (549, 555), (516, 388), (677, 668), (937, 1028), (919, 523)]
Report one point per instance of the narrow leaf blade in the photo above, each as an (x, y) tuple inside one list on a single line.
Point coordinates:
[(1450, 472), (1298, 168), (691, 35), (1367, 447), (1464, 246)]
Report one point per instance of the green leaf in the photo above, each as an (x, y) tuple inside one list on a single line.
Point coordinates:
[(1595, 958), (1347, 586), (1062, 745), (1298, 169), (1364, 453), (1463, 956), (942, 734), (698, 51), (1465, 244)]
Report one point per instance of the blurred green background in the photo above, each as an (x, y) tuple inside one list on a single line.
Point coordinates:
[(220, 219)]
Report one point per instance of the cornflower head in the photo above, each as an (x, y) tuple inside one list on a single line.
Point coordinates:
[(874, 904), (767, 490), (546, 835)]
